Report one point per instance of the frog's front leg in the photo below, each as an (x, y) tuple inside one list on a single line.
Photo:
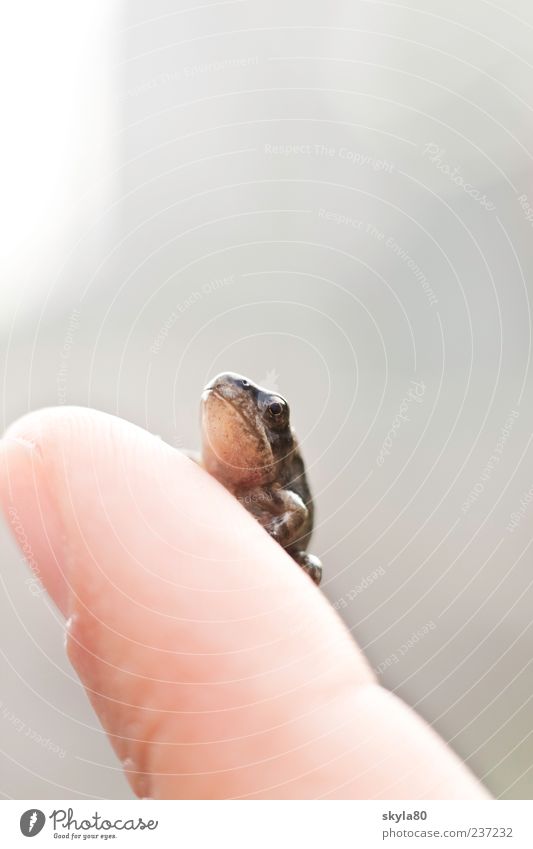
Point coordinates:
[(281, 512), (285, 516)]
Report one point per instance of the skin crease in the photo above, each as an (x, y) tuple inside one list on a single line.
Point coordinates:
[(214, 664)]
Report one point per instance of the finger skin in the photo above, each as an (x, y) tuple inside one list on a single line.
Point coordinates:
[(215, 665)]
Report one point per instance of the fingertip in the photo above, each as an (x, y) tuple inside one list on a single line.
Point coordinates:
[(175, 597)]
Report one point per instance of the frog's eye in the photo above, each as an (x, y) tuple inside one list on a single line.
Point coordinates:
[(276, 412), (277, 408)]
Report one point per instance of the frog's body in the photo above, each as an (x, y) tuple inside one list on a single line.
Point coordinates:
[(249, 446)]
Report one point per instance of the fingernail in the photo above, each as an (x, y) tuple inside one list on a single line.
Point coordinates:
[(32, 514)]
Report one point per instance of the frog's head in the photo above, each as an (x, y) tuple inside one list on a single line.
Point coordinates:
[(245, 431)]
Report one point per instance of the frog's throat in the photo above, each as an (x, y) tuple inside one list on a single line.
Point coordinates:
[(247, 427)]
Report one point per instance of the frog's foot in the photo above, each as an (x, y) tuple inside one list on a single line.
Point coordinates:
[(309, 564)]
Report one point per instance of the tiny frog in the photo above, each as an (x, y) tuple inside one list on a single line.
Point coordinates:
[(249, 446)]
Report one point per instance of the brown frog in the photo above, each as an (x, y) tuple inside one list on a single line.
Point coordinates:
[(249, 446)]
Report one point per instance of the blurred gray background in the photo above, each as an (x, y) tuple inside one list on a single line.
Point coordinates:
[(337, 200)]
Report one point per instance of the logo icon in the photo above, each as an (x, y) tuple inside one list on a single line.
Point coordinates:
[(32, 822), (270, 380)]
